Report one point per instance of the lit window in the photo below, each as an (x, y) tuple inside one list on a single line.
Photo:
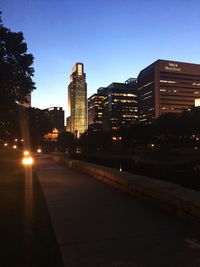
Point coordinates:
[(165, 81)]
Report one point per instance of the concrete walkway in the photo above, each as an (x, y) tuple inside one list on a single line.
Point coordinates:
[(97, 225)]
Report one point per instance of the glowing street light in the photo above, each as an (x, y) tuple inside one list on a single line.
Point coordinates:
[(27, 161), (6, 144), (26, 153), (14, 147), (39, 150)]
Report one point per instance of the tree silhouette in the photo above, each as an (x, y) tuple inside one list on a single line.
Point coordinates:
[(16, 73), (15, 68), (66, 140)]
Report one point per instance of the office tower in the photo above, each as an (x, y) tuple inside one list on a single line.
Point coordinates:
[(77, 101), (120, 106), (56, 116), (167, 86), (113, 107), (95, 112)]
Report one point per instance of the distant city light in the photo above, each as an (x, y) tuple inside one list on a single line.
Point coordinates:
[(15, 140), (197, 102), (39, 150), (120, 168), (14, 146), (5, 144), (116, 138)]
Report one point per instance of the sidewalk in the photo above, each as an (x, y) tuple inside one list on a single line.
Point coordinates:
[(26, 235), (97, 225)]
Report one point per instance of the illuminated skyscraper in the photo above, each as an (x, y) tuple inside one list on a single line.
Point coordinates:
[(120, 105), (77, 101), (113, 107), (95, 112)]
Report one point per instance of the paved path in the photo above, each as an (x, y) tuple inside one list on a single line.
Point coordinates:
[(26, 235), (97, 225)]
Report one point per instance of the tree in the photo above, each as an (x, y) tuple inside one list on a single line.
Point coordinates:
[(190, 121), (16, 73), (15, 68), (168, 126), (38, 124), (66, 140), (94, 140)]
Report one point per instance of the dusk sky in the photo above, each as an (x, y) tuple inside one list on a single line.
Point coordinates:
[(115, 39)]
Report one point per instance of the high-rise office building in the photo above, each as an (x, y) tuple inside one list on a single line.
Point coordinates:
[(95, 112), (120, 106), (113, 107), (167, 86), (77, 101)]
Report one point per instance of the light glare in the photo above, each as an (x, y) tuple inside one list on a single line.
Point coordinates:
[(26, 153), (27, 161)]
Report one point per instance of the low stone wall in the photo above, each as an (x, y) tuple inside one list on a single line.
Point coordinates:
[(173, 198)]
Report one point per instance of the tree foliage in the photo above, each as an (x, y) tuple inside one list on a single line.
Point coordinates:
[(66, 140), (16, 69), (95, 139), (38, 125), (16, 83)]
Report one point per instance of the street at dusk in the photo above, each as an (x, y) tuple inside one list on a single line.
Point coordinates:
[(99, 133), (92, 224)]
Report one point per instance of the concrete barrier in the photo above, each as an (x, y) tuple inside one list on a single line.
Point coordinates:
[(178, 200)]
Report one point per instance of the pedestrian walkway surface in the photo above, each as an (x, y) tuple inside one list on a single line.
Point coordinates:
[(26, 235), (97, 225)]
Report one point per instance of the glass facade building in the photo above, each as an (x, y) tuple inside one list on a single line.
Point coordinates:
[(113, 107), (95, 112), (77, 101)]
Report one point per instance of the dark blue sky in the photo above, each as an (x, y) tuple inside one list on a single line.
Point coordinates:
[(115, 39)]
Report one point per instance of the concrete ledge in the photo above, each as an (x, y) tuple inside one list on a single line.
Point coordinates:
[(178, 200)]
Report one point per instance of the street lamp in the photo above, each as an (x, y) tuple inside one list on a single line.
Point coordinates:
[(26, 153), (27, 161)]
